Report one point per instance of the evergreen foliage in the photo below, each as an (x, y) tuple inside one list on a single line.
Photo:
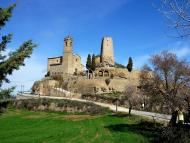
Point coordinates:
[(89, 62), (130, 64), (117, 65), (15, 59), (93, 66)]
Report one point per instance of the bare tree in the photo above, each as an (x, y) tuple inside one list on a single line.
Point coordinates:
[(177, 13), (132, 96), (169, 77)]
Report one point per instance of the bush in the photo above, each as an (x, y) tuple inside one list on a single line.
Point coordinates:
[(34, 104), (3, 106), (175, 135), (107, 81)]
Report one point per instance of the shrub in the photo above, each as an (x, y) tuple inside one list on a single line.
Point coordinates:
[(107, 81), (3, 106), (86, 107), (175, 135)]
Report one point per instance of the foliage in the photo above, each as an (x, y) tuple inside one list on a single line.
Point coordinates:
[(105, 98), (117, 65), (132, 96), (15, 59), (174, 135), (130, 64), (86, 107), (89, 62), (93, 65), (165, 84), (47, 74), (107, 81)]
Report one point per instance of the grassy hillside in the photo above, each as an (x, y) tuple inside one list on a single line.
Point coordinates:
[(22, 126)]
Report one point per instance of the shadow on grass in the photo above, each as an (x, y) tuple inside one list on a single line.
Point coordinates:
[(145, 128), (120, 114)]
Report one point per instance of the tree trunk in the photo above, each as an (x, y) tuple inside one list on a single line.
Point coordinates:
[(116, 104), (130, 108)]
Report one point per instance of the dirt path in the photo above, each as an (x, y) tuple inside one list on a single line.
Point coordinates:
[(151, 115)]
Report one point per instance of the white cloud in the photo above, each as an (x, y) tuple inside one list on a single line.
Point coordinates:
[(181, 49)]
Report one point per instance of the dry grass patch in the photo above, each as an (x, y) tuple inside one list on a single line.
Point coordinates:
[(79, 117), (33, 117)]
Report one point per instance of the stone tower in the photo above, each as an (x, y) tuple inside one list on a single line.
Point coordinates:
[(68, 56), (107, 54)]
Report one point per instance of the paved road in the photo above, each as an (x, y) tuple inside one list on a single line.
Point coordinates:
[(152, 115)]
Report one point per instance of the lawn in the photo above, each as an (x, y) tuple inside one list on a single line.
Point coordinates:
[(22, 126)]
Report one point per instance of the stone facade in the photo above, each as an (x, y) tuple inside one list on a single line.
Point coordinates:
[(68, 64), (107, 54), (106, 57)]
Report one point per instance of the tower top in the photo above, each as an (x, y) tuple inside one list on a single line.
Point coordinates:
[(107, 53), (68, 43), (68, 38)]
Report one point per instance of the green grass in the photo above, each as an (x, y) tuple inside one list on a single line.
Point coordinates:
[(22, 126)]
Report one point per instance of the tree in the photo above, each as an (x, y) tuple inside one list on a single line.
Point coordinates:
[(177, 13), (107, 81), (117, 65), (165, 83), (15, 59), (89, 62), (93, 66), (130, 64), (132, 96)]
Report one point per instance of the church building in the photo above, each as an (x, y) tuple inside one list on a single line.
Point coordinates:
[(68, 64)]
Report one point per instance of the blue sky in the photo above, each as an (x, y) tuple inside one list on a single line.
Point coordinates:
[(137, 28)]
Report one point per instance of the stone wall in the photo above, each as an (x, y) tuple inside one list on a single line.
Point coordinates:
[(54, 61), (56, 70)]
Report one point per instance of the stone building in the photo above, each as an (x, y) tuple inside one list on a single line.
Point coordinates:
[(68, 64), (106, 58)]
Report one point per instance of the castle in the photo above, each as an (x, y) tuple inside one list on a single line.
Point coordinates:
[(76, 79), (70, 63)]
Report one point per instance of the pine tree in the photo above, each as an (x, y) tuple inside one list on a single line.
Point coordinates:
[(130, 64), (93, 66), (15, 59), (88, 62)]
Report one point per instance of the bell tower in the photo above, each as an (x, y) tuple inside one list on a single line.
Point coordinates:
[(68, 42), (68, 56)]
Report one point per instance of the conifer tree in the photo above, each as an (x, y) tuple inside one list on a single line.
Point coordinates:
[(130, 64), (15, 59), (88, 62), (93, 66)]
